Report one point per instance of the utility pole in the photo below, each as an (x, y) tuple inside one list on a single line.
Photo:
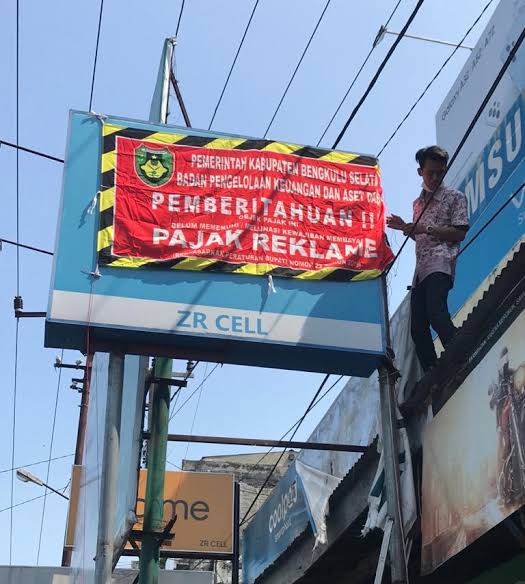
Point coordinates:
[(81, 438), (154, 499)]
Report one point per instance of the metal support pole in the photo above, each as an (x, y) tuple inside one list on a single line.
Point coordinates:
[(387, 401), (154, 499), (392, 482), (110, 463), (236, 534)]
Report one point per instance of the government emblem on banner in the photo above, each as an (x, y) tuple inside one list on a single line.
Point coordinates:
[(154, 166)]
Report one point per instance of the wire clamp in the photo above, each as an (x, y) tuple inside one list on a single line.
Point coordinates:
[(93, 204), (95, 275), (101, 117), (271, 287)]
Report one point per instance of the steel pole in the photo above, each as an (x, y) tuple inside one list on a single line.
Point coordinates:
[(387, 402), (236, 533), (392, 479), (110, 464), (154, 499)]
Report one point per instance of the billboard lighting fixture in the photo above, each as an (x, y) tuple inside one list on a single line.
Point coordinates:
[(26, 477)]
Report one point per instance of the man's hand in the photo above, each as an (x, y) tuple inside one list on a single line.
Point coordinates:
[(395, 222), (409, 230)]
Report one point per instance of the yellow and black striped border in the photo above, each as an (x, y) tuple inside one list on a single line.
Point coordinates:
[(110, 132)]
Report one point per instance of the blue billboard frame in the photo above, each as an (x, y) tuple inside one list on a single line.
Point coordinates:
[(321, 326)]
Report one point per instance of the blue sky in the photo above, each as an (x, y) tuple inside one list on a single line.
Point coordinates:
[(57, 41)]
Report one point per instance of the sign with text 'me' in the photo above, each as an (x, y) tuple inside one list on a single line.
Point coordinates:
[(183, 243), (237, 205), (203, 504)]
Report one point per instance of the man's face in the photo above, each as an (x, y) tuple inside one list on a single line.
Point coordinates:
[(432, 173)]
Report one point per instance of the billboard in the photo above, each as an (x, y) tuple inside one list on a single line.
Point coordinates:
[(474, 452), (177, 201), (490, 166), (279, 521), (203, 504), (237, 250)]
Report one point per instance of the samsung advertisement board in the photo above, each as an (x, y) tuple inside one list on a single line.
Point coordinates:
[(188, 243), (490, 167)]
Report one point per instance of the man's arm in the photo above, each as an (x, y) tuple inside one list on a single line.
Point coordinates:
[(453, 234)]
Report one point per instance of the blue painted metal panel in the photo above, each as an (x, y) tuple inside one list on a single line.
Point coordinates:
[(314, 326), (283, 516)]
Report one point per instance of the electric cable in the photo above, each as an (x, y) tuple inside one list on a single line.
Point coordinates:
[(193, 392), (30, 247), (51, 443), (28, 501), (96, 55), (463, 140), (268, 477), (180, 17), (17, 325), (284, 435), (196, 410), (445, 63), (297, 67), (187, 376), (372, 83), (37, 463), (233, 64), (318, 400), (31, 151), (356, 77)]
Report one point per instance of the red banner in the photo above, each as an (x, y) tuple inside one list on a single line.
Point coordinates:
[(246, 207)]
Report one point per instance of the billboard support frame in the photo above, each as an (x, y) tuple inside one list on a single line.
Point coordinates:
[(263, 442)]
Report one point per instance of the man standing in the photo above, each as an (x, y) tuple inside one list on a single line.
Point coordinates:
[(440, 223)]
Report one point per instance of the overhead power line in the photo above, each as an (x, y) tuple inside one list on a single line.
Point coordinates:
[(193, 392), (430, 83), (269, 476), (378, 72), (234, 62), (96, 55), (37, 463), (297, 67), (31, 151), (356, 77), (465, 137), (17, 325), (51, 443)]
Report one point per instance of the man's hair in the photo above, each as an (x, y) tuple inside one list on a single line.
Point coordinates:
[(431, 153)]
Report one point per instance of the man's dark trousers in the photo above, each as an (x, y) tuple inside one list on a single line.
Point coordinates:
[(428, 304)]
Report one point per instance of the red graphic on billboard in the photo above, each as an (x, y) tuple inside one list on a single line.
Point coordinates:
[(255, 207)]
